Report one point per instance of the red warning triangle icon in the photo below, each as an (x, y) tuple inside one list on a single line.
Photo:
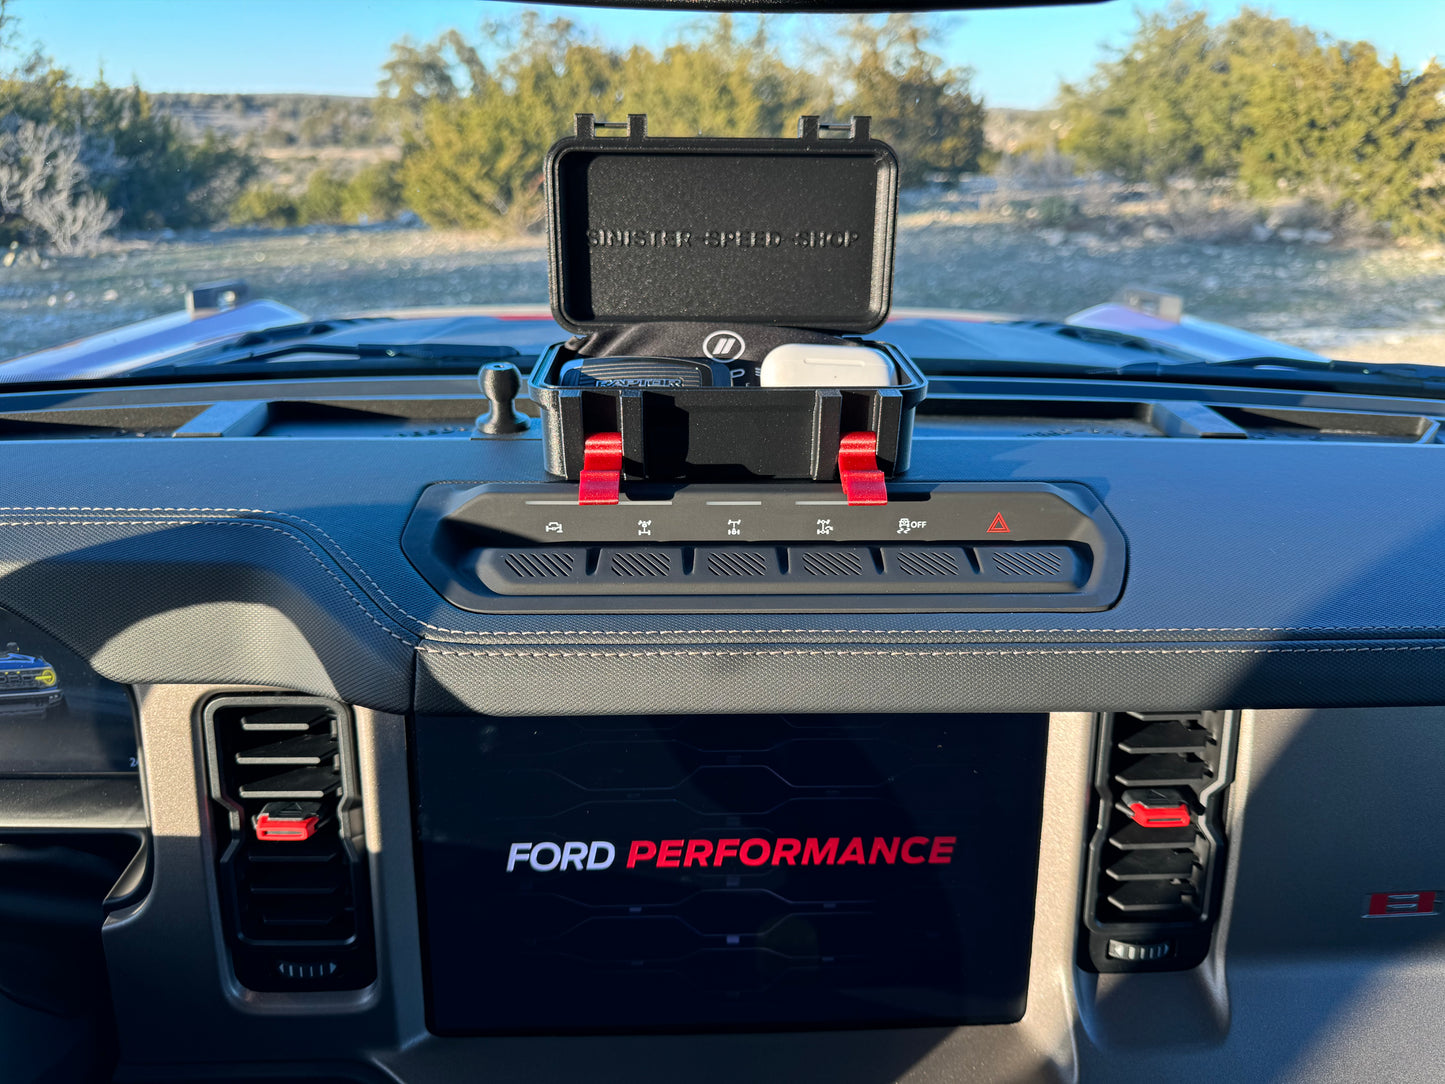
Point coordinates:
[(998, 526)]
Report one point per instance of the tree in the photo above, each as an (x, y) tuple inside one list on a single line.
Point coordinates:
[(1331, 121), (137, 159), (415, 76), (477, 159), (473, 156), (162, 178), (1273, 106), (717, 82), (477, 121), (927, 111), (1145, 114)]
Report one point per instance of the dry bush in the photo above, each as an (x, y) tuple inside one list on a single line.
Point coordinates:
[(1034, 171), (43, 187), (1209, 216)]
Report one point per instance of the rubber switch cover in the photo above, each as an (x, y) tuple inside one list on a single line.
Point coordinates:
[(858, 469)]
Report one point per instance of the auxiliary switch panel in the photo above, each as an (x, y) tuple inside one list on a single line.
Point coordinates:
[(933, 547)]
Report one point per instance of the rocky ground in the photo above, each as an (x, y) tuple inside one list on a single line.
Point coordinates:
[(1362, 301)]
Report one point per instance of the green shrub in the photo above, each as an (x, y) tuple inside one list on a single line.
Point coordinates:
[(264, 205), (1054, 211), (322, 200), (374, 194)]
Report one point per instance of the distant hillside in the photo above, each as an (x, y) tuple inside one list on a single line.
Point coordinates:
[(278, 120), (293, 134), (313, 122), (297, 134)]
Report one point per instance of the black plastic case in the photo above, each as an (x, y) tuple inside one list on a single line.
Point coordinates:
[(778, 232)]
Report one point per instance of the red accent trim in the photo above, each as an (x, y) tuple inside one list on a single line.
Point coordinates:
[(858, 469), (601, 477), (1393, 904), (271, 829), (1170, 816)]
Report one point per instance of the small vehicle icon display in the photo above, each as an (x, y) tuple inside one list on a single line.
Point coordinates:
[(28, 684)]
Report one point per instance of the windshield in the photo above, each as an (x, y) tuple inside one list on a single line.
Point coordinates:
[(1280, 172)]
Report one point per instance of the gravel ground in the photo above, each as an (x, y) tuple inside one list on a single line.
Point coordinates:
[(1371, 303)]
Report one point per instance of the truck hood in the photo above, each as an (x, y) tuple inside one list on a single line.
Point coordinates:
[(13, 661), (1104, 336)]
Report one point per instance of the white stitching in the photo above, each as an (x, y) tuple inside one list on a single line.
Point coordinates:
[(211, 522), (697, 632), (948, 653), (355, 565), (1081, 631), (105, 508)]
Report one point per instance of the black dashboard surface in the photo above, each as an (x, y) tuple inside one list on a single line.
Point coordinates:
[(1262, 573), (1257, 571)]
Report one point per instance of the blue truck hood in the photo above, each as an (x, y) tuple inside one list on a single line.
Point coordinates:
[(923, 334)]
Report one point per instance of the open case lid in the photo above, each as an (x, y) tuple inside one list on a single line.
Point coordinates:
[(789, 232)]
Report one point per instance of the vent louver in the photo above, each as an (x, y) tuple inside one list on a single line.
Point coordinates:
[(1156, 856), (294, 883)]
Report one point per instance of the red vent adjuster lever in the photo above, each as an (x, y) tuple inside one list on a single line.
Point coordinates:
[(858, 469), (1175, 816), (1158, 807), (601, 477)]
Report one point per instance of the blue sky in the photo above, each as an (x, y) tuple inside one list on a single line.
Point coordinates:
[(338, 46)]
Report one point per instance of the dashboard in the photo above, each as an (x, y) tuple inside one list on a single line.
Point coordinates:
[(374, 795)]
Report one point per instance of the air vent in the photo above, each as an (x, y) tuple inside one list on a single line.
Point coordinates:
[(952, 411), (1156, 856), (294, 883)]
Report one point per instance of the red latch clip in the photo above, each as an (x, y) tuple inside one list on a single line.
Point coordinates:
[(287, 821), (601, 475), (1174, 816), (858, 469)]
